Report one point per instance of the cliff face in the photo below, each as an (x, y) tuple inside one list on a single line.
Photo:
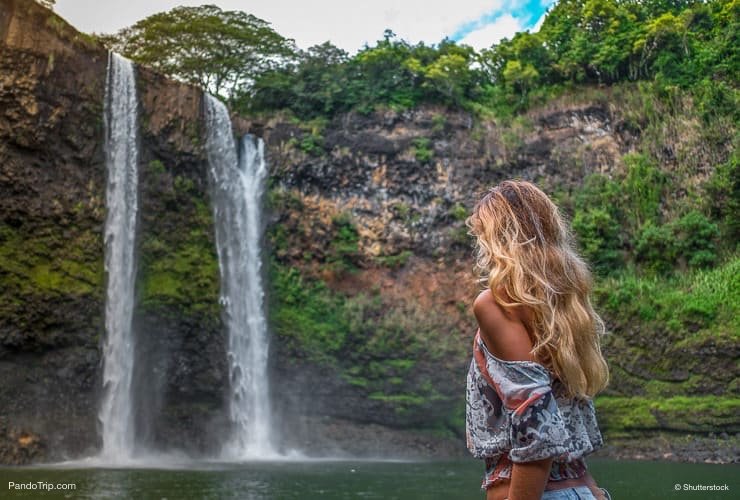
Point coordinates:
[(409, 178), (52, 179), (368, 261), (374, 206), (52, 215)]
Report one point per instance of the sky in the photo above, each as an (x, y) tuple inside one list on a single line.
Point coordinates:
[(349, 24)]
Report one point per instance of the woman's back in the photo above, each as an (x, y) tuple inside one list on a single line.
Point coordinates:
[(506, 332)]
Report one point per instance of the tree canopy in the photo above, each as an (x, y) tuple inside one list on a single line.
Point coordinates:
[(325, 80), (684, 43), (606, 41), (679, 43), (222, 51)]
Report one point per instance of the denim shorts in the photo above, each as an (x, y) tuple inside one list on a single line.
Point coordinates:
[(579, 493)]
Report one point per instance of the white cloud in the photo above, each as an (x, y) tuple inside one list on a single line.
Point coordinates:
[(503, 27), (347, 23)]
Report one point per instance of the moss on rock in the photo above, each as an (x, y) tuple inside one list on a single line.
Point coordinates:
[(178, 269), (623, 416), (52, 261)]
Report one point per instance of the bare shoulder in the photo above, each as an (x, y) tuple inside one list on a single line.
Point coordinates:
[(503, 333)]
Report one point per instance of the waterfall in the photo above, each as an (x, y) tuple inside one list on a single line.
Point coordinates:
[(121, 156), (237, 183)]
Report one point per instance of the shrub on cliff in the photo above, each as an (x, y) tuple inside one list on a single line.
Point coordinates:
[(723, 198), (687, 241)]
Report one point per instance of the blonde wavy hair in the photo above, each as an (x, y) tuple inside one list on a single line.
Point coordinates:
[(526, 250)]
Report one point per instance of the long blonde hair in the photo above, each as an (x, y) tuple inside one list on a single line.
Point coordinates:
[(526, 250)]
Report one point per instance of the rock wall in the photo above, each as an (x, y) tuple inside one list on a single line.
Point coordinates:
[(52, 180), (403, 182), (52, 214)]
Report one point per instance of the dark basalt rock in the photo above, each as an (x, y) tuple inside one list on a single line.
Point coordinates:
[(52, 215)]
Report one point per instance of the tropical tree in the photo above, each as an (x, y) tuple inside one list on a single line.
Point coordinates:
[(520, 77), (315, 85), (222, 51), (449, 75)]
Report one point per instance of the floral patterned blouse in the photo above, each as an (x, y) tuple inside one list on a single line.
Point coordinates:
[(516, 412)]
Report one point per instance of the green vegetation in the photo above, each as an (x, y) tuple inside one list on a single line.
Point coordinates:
[(307, 316), (671, 348), (687, 44), (222, 51), (343, 253), (325, 80), (458, 212), (50, 262), (606, 41), (156, 166), (395, 261), (185, 275), (178, 268), (722, 198), (312, 140), (690, 240), (703, 299), (633, 219), (421, 150), (387, 352), (623, 417)]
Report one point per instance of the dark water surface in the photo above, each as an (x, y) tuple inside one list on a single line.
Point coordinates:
[(349, 479)]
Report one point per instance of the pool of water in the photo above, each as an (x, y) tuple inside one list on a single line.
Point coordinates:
[(454, 480)]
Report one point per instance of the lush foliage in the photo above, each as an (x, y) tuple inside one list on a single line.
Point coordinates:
[(343, 251), (394, 354), (723, 197), (611, 40), (703, 299), (620, 221), (222, 51), (689, 43), (624, 417), (178, 270), (325, 80), (686, 43)]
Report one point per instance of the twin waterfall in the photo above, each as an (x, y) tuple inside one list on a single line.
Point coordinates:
[(237, 179), (236, 187)]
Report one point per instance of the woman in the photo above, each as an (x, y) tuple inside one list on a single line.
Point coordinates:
[(536, 356)]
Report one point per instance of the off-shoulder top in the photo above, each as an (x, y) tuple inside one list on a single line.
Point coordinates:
[(517, 412)]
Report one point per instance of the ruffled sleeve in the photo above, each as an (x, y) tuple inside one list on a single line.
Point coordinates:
[(537, 428)]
